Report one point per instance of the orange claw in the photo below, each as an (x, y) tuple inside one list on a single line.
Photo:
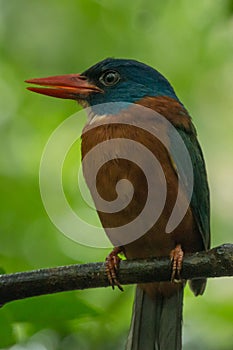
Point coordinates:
[(176, 256), (112, 264)]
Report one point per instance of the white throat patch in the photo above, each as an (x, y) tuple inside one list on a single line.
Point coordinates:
[(95, 118)]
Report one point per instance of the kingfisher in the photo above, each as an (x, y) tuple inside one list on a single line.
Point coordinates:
[(133, 115)]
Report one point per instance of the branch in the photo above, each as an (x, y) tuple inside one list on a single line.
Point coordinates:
[(217, 262)]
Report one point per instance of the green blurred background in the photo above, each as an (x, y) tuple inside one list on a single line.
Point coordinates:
[(191, 43)]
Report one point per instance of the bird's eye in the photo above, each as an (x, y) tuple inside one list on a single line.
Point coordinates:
[(110, 78)]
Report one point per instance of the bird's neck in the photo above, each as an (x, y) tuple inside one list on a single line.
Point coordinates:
[(171, 109)]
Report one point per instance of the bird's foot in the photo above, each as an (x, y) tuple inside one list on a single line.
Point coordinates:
[(111, 265), (176, 256)]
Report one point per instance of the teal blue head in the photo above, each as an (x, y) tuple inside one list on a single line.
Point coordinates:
[(127, 81), (111, 80)]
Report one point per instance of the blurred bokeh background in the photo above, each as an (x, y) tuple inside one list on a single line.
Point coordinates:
[(191, 43)]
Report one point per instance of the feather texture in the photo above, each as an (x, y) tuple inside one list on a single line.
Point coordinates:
[(156, 323)]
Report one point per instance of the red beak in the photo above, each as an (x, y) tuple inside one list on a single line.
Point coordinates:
[(70, 86)]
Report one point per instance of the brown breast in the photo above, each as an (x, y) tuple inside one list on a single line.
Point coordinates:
[(119, 163)]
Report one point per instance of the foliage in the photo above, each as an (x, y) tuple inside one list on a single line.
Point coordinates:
[(191, 43)]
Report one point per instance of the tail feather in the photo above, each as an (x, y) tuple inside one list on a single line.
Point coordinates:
[(170, 333), (156, 323)]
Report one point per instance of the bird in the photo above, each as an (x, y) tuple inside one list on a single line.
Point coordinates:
[(129, 100)]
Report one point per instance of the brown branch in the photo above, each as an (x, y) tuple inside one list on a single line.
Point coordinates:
[(217, 262)]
